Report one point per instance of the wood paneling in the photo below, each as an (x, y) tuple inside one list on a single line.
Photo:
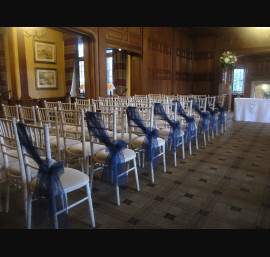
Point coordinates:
[(128, 38)]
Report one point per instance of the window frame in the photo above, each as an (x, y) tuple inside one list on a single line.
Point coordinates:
[(243, 81)]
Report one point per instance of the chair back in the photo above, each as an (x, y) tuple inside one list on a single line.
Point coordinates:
[(7, 142), (11, 111), (28, 114), (52, 104)]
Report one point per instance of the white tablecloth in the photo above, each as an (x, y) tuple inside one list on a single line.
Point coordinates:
[(252, 109)]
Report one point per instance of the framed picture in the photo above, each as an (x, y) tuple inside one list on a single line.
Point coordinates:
[(46, 78), (44, 52)]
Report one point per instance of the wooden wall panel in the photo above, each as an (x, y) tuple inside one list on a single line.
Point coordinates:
[(183, 62), (204, 56), (157, 60), (128, 38)]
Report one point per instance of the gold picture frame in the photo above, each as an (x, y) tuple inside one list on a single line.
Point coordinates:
[(46, 78), (44, 52)]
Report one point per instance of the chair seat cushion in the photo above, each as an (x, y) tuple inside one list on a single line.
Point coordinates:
[(138, 142), (77, 148), (14, 168), (69, 142), (164, 133), (71, 179), (125, 137), (10, 159), (102, 155)]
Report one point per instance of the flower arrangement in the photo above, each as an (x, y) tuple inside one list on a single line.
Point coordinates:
[(227, 60)]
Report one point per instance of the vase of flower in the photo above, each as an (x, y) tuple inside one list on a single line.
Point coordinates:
[(227, 61)]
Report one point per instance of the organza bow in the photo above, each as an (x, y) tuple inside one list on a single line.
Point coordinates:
[(114, 160), (48, 184)]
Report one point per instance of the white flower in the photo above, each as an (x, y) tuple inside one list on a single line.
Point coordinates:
[(226, 60)]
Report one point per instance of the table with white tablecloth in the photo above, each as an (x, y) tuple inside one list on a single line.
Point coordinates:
[(252, 109)]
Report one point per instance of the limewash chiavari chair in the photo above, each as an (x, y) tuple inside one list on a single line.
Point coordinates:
[(165, 132), (98, 160), (98, 104), (52, 104), (210, 103), (83, 101), (28, 114), (74, 140), (71, 179), (220, 99), (147, 116), (11, 162), (51, 117), (67, 106), (185, 124), (11, 111)]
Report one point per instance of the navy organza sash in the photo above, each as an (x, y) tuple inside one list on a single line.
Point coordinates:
[(204, 121), (221, 116), (48, 192), (115, 165), (190, 126), (213, 116), (175, 135), (150, 143)]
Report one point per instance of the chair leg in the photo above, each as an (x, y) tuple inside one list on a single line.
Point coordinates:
[(190, 151), (117, 195), (139, 158), (7, 196), (204, 138), (174, 155), (164, 159), (1, 206), (196, 138), (136, 174), (90, 206), (152, 172), (183, 148), (29, 211), (92, 175)]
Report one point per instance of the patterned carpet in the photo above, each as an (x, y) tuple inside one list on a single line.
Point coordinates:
[(223, 185)]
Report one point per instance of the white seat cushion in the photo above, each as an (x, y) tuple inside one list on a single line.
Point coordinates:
[(10, 159), (69, 142), (14, 168), (166, 132), (101, 156), (77, 148), (138, 142), (126, 137), (70, 179)]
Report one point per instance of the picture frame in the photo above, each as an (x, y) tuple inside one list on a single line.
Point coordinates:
[(46, 78), (44, 52)]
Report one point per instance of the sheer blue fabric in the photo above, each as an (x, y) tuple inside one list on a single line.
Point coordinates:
[(190, 126), (175, 131), (150, 143), (115, 165), (221, 116), (213, 118), (204, 121), (48, 191)]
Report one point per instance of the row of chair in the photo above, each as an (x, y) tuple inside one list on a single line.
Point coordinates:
[(68, 135)]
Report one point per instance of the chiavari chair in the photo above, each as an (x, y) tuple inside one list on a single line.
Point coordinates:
[(10, 111), (146, 116), (99, 159), (12, 164), (71, 179), (28, 114), (74, 140)]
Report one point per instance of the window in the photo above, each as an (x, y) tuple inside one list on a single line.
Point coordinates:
[(80, 59), (238, 80), (109, 70)]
